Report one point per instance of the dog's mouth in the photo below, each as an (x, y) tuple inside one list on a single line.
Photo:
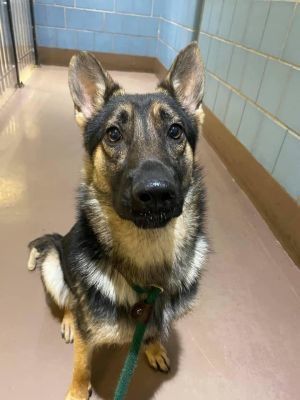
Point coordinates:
[(150, 216), (154, 220)]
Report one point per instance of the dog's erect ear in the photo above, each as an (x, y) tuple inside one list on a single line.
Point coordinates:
[(185, 78), (90, 85)]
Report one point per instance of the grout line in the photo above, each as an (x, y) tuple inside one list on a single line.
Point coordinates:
[(265, 26), (65, 18), (251, 147), (249, 100), (177, 24), (227, 105), (274, 166), (238, 128), (125, 13), (215, 99), (232, 18), (158, 29), (168, 45), (92, 31), (227, 73), (210, 12), (262, 79), (104, 23), (284, 91), (221, 13), (288, 30), (104, 11), (250, 7), (269, 56)]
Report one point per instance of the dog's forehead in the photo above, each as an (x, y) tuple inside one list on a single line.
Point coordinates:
[(140, 117), (157, 106)]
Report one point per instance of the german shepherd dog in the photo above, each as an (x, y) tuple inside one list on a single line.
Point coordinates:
[(140, 219)]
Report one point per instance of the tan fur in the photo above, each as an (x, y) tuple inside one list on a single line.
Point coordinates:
[(155, 109), (200, 115), (99, 171), (104, 333), (80, 119), (67, 326), (141, 247), (157, 356), (189, 162), (142, 250), (82, 369), (126, 107), (87, 170)]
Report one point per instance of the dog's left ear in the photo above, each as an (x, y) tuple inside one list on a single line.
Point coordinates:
[(185, 79), (90, 86)]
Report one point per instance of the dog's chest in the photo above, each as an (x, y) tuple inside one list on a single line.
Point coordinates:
[(108, 298), (111, 319)]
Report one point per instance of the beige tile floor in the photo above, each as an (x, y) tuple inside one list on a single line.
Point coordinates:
[(242, 342)]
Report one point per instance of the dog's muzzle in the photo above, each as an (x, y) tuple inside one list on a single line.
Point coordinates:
[(154, 196)]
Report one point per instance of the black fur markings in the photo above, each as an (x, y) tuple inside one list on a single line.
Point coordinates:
[(96, 127)]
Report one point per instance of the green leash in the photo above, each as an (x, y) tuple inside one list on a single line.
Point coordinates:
[(141, 312)]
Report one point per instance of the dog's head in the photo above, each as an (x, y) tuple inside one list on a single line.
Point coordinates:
[(140, 147)]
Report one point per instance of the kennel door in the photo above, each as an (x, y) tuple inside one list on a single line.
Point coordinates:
[(22, 26), (8, 78)]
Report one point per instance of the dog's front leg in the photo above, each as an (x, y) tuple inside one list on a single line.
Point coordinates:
[(80, 386)]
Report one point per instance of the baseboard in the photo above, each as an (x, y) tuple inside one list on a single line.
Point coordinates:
[(280, 211), (119, 62)]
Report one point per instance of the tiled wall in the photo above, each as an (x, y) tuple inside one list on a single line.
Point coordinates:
[(140, 27), (112, 26), (250, 47), (252, 54), (178, 25)]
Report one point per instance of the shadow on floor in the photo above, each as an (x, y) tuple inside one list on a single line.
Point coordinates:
[(108, 362)]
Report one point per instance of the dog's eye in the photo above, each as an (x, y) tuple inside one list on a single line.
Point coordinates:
[(175, 131), (113, 134)]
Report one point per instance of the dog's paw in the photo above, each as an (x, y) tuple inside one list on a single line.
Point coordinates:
[(67, 328), (157, 356), (71, 396), (74, 395)]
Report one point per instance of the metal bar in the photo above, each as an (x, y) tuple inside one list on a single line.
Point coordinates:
[(9, 71), (25, 55), (36, 54), (13, 40), (4, 40)]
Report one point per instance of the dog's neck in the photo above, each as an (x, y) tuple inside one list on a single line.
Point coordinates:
[(140, 247), (145, 256)]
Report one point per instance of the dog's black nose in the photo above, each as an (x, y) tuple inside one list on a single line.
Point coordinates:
[(154, 195)]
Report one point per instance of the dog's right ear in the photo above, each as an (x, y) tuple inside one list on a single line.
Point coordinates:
[(185, 79), (90, 86)]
